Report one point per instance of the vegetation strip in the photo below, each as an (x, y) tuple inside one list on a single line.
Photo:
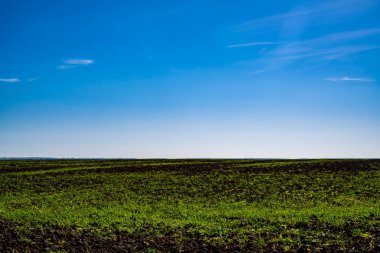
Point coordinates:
[(189, 205)]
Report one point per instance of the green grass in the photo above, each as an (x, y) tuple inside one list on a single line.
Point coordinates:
[(288, 204)]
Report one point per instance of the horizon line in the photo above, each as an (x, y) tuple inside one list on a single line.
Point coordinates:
[(182, 158)]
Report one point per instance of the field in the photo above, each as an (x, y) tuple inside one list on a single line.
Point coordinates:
[(189, 205)]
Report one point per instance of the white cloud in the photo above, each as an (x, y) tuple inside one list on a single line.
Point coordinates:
[(73, 63), (9, 80), (79, 62), (261, 43), (346, 78)]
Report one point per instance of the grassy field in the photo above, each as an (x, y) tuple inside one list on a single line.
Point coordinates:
[(189, 205)]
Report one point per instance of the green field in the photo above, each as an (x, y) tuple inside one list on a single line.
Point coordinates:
[(189, 205)]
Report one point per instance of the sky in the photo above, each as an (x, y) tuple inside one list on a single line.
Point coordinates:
[(190, 79)]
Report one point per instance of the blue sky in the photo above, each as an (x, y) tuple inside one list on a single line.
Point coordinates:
[(195, 78)]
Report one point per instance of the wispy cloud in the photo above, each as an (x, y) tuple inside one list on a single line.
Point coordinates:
[(72, 63), (324, 45), (79, 62), (294, 53), (9, 80), (310, 13), (261, 43), (258, 71), (346, 78), (343, 36), (33, 79), (324, 48), (290, 26), (65, 66)]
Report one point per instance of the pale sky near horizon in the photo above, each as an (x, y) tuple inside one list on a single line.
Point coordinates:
[(178, 79)]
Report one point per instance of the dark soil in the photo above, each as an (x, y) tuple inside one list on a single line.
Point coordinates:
[(16, 238)]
